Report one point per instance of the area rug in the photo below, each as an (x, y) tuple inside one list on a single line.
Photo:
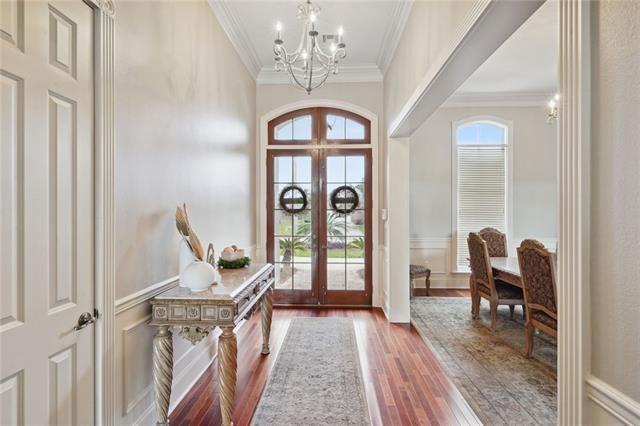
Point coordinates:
[(498, 382), (317, 378)]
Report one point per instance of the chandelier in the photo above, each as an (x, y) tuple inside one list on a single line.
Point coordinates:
[(309, 66)]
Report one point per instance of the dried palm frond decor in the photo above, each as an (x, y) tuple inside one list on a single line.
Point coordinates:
[(187, 232), (195, 273)]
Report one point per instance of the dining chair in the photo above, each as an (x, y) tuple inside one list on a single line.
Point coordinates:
[(537, 268), (483, 285), (496, 242)]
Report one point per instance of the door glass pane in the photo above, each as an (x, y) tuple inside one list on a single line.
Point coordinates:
[(302, 169), (355, 223), (335, 127), (302, 252), (302, 276), (336, 276), (355, 168), (284, 276), (355, 276), (355, 249), (282, 169), (336, 226), (284, 131), (282, 223), (302, 224), (336, 169), (354, 130), (336, 249), (283, 248), (302, 128)]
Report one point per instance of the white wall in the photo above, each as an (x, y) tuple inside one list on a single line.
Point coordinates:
[(185, 132), (615, 202), (429, 30), (534, 185)]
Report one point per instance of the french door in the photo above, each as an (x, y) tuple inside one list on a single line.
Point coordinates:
[(319, 217)]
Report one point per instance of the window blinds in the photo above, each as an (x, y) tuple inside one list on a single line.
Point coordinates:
[(482, 190)]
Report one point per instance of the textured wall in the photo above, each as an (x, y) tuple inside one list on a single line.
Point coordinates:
[(365, 95), (615, 197), (185, 132), (430, 28)]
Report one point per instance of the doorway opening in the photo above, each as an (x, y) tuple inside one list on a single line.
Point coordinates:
[(319, 207)]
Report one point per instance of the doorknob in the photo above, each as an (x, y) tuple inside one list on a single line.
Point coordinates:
[(85, 319)]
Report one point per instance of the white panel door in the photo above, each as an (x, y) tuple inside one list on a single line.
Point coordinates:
[(46, 212)]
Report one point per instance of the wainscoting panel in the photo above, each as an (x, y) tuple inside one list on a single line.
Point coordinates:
[(435, 253), (137, 371)]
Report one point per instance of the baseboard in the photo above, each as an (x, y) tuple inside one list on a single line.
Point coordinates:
[(616, 403)]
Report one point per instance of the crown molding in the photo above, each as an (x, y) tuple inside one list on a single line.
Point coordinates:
[(346, 74), (393, 33), (238, 37), (498, 99)]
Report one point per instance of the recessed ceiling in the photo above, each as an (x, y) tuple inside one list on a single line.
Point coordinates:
[(526, 63), (372, 30)]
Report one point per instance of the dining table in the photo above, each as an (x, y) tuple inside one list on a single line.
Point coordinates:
[(506, 269)]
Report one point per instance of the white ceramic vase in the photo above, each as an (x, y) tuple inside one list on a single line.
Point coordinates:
[(199, 276), (185, 258)]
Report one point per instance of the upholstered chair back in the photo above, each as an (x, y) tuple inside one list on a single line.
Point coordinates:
[(538, 272), (479, 260), (496, 242)]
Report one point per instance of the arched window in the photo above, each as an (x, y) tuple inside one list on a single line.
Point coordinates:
[(481, 183), (319, 126)]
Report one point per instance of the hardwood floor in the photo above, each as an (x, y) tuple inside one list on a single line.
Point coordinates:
[(405, 384)]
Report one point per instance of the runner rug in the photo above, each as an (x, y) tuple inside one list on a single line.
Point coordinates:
[(317, 379)]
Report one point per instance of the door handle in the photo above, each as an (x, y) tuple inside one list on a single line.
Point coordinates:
[(84, 320)]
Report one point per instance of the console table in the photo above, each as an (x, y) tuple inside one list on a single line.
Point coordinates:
[(195, 315)]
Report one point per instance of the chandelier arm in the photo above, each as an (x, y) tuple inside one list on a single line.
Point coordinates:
[(321, 82), (295, 79)]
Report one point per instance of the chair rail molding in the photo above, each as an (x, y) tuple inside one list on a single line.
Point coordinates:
[(573, 221), (613, 401), (134, 299), (105, 210)]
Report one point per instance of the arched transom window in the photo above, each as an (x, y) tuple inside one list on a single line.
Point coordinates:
[(319, 126)]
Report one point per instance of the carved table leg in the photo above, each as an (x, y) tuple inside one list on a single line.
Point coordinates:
[(162, 371), (227, 372), (266, 311)]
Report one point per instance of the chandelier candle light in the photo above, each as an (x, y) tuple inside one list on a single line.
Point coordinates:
[(552, 115), (309, 66)]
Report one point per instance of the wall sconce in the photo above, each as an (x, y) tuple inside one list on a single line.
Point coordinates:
[(552, 115)]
